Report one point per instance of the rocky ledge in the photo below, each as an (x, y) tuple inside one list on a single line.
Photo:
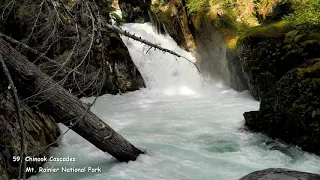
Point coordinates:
[(280, 174)]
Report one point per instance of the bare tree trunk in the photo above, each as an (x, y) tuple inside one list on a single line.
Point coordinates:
[(37, 87)]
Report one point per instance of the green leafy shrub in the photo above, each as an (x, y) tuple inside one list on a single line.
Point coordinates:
[(307, 12)]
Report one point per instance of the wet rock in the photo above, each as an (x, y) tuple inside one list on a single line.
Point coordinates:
[(237, 80), (291, 110), (171, 18), (135, 10), (280, 174), (269, 52), (122, 74), (211, 51)]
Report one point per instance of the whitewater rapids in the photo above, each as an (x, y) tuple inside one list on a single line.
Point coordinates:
[(191, 130)]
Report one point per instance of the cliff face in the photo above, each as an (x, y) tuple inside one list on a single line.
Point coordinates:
[(211, 51)]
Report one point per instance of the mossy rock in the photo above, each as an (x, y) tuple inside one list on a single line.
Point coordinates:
[(279, 11), (291, 110), (275, 49), (170, 18), (135, 10)]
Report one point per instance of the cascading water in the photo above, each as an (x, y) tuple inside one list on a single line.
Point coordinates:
[(189, 129)]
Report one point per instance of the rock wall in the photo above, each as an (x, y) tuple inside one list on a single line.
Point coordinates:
[(211, 51), (237, 79), (280, 61), (291, 110), (267, 53), (172, 18), (113, 56)]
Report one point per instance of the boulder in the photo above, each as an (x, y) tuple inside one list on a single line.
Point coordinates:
[(280, 174), (269, 52), (291, 110)]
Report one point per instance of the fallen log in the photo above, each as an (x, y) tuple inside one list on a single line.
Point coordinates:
[(63, 106)]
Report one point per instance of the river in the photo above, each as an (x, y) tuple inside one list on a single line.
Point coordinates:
[(190, 127)]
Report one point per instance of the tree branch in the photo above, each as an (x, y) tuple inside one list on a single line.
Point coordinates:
[(16, 42), (134, 37), (22, 165)]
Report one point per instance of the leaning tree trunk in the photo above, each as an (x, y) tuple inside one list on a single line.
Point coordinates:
[(64, 107)]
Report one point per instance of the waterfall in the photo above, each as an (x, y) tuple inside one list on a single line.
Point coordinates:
[(190, 130)]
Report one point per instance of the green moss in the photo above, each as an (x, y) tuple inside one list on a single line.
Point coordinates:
[(310, 42), (315, 126), (287, 47), (299, 37), (292, 33), (315, 82), (315, 35), (312, 69), (119, 21), (272, 30), (289, 37), (295, 51)]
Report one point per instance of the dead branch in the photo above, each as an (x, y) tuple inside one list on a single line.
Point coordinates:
[(134, 37), (3, 15), (15, 42), (91, 42), (23, 148), (35, 22)]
